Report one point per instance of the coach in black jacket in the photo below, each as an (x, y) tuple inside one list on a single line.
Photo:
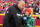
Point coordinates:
[(12, 17)]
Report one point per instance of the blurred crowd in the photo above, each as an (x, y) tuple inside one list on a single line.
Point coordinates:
[(4, 5), (32, 4)]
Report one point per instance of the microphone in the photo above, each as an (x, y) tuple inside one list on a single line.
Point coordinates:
[(24, 20)]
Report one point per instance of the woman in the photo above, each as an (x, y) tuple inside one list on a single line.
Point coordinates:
[(30, 21)]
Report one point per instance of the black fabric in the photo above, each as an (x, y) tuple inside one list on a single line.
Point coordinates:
[(11, 19), (24, 21)]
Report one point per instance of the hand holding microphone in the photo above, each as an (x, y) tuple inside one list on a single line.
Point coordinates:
[(24, 20)]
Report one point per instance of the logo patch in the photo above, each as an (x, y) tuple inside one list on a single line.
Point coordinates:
[(7, 11)]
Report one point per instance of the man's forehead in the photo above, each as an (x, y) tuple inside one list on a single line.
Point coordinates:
[(22, 2)]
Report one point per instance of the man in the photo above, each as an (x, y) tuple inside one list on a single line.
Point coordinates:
[(12, 17), (29, 20)]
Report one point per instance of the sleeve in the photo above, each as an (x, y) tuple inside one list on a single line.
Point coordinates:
[(28, 25), (6, 18), (33, 24)]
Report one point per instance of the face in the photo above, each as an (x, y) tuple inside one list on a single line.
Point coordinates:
[(21, 6), (27, 13)]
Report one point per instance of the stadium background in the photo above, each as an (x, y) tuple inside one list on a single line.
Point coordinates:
[(32, 4)]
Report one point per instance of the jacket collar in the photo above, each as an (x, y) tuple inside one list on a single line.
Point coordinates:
[(29, 16), (16, 6)]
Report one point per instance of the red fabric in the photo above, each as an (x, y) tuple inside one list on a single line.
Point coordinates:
[(37, 22), (23, 10), (1, 8), (1, 19), (29, 10), (39, 3), (0, 1)]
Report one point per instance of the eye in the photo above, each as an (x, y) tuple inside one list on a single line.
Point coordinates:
[(22, 5)]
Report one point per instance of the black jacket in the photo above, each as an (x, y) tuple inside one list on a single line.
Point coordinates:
[(11, 18)]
